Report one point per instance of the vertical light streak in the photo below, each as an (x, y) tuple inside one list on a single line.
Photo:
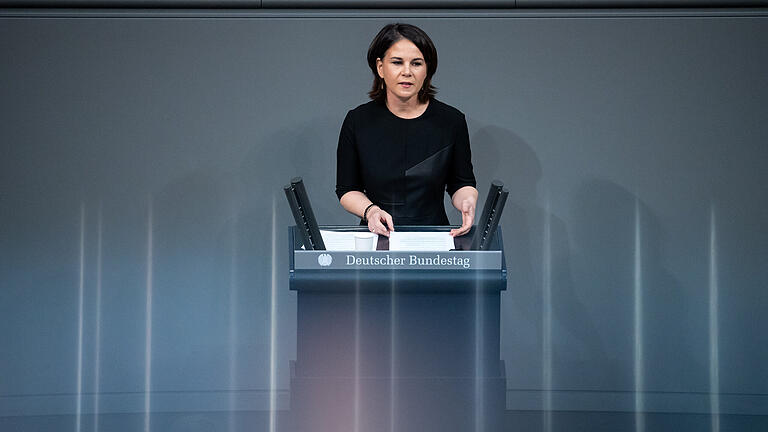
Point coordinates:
[(357, 355), (233, 333), (479, 348), (273, 326), (80, 298), (714, 354), (638, 325), (148, 322), (546, 314), (392, 354), (97, 336)]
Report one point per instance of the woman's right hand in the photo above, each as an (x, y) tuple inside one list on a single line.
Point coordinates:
[(379, 221)]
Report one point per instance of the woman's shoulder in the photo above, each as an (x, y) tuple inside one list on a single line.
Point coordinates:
[(446, 111), (366, 109), (363, 114)]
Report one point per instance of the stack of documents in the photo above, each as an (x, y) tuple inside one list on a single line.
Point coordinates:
[(420, 241)]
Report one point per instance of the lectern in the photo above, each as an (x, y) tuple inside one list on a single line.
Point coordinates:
[(397, 341)]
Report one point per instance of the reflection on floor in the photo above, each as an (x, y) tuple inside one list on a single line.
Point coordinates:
[(250, 421)]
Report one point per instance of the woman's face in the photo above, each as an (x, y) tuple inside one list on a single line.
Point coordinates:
[(403, 70)]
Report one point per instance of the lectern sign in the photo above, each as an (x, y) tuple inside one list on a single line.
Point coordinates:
[(386, 260)]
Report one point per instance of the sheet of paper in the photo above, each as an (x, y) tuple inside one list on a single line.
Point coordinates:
[(420, 241), (343, 241)]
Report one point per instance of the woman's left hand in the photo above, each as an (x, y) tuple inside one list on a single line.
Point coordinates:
[(467, 217)]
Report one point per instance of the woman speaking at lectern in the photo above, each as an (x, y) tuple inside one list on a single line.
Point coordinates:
[(401, 151)]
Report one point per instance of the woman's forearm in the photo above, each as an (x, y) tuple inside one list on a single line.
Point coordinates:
[(355, 202), (467, 192)]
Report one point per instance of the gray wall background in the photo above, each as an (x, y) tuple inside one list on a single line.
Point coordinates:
[(633, 145)]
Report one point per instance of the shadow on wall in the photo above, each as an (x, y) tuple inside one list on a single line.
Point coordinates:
[(611, 261), (213, 262), (588, 272), (538, 258), (302, 150)]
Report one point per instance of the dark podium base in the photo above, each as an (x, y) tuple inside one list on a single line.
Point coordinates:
[(398, 361)]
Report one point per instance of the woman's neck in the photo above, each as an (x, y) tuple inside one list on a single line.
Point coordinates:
[(407, 109)]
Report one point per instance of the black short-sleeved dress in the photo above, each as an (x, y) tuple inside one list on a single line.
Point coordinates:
[(405, 165)]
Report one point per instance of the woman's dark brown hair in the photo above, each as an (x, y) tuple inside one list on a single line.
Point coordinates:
[(388, 36)]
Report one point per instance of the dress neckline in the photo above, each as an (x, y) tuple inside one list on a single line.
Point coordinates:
[(424, 114)]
